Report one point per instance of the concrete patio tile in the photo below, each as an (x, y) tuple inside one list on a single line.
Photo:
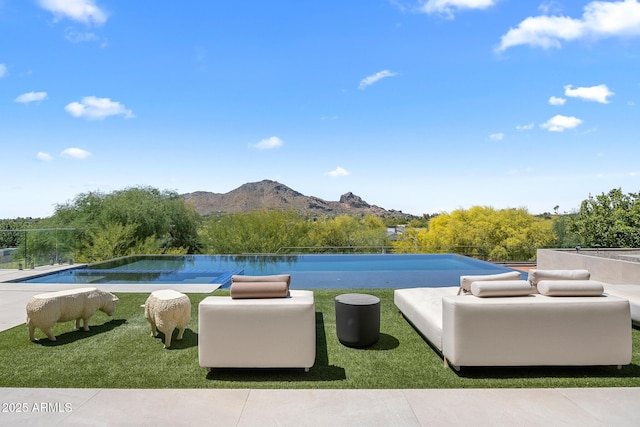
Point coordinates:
[(13, 312), (175, 407), (334, 408), (490, 407), (612, 406), (46, 407)]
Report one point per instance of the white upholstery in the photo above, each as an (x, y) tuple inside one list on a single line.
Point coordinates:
[(466, 281), (630, 293), (569, 288), (501, 288), (257, 333), (520, 331), (536, 330), (536, 275), (423, 308)]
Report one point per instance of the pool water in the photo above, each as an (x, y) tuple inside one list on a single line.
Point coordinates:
[(307, 271)]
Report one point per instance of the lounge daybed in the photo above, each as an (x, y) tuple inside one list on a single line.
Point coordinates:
[(261, 325), (506, 322)]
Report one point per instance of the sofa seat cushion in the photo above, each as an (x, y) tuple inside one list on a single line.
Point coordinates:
[(423, 308), (570, 288), (629, 292)]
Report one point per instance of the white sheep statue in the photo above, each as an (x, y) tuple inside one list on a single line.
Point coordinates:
[(166, 310), (44, 310)]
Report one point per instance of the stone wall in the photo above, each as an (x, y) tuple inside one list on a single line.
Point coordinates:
[(615, 266)]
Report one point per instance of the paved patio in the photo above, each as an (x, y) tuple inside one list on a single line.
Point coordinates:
[(248, 407)]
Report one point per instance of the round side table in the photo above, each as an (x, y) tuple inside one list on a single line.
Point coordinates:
[(357, 319)]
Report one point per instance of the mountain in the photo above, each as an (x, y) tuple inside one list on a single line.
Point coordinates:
[(274, 195)]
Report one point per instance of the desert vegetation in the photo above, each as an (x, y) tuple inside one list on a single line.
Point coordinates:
[(143, 220)]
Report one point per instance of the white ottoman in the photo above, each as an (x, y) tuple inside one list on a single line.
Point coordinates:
[(257, 333)]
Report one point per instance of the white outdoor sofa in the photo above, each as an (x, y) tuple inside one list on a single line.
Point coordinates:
[(257, 332), (506, 322)]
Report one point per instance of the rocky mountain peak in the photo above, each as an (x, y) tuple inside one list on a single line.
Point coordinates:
[(353, 201), (267, 194)]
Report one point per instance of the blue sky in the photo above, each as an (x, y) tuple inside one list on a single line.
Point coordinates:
[(419, 106)]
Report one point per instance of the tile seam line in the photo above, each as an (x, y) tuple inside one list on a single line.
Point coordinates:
[(244, 405)]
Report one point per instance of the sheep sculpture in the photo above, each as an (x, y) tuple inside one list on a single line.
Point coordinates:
[(166, 310), (44, 310)]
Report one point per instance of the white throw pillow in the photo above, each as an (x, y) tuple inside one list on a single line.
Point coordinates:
[(466, 281), (570, 288), (537, 275), (501, 288)]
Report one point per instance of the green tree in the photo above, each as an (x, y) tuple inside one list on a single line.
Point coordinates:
[(565, 237), (13, 239), (283, 231), (263, 231), (350, 233), (610, 220), (481, 232), (130, 221)]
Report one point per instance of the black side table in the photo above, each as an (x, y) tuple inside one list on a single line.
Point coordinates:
[(357, 319)]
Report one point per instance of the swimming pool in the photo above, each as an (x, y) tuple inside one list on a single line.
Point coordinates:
[(307, 271)]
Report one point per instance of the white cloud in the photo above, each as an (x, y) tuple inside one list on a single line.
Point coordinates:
[(339, 171), (3, 71), (26, 98), (559, 123), (554, 100), (45, 157), (525, 127), (84, 11), (93, 108), (600, 19), (269, 143), (367, 81), (75, 153), (598, 93), (80, 37), (550, 7), (497, 136), (76, 37), (449, 7)]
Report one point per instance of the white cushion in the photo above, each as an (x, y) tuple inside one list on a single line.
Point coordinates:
[(423, 308), (537, 275), (466, 281), (501, 288), (570, 288)]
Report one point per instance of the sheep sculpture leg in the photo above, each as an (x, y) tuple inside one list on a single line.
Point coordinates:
[(167, 330), (85, 324), (180, 333), (49, 334), (154, 330)]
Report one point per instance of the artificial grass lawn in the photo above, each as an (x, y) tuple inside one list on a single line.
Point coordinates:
[(118, 352)]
